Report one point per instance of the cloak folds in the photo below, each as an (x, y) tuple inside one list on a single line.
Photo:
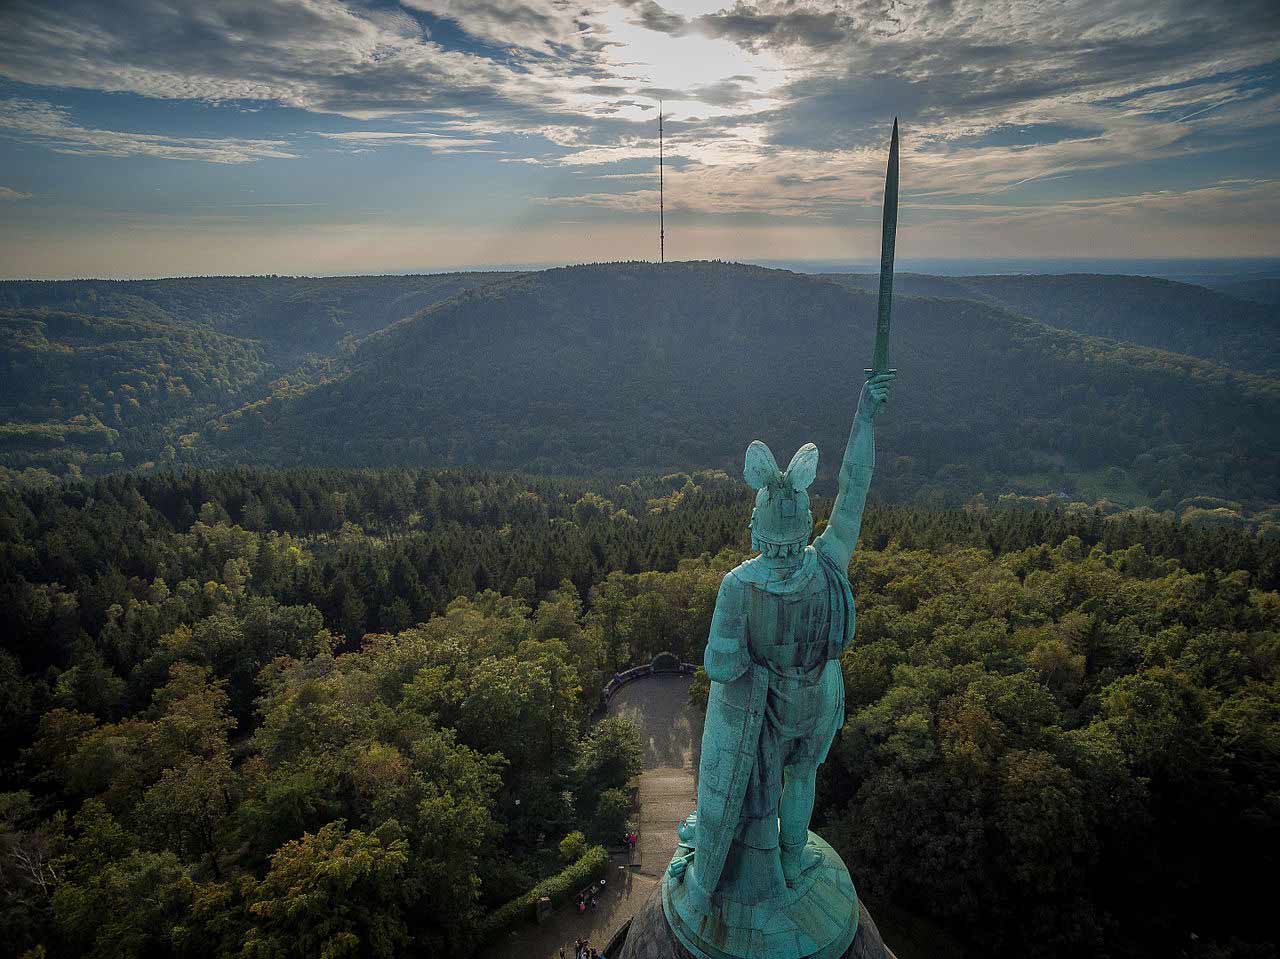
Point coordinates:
[(739, 691)]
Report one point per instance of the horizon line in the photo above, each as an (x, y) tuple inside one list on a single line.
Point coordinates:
[(1241, 264)]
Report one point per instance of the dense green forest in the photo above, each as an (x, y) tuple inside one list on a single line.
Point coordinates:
[(288, 315), (113, 386), (297, 713), (263, 712), (1124, 390), (1179, 317), (1254, 289)]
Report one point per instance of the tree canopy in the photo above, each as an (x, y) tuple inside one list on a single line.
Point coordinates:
[(327, 713)]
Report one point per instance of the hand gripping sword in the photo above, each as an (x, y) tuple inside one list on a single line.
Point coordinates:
[(888, 237)]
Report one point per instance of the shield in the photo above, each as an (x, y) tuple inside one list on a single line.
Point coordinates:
[(732, 732)]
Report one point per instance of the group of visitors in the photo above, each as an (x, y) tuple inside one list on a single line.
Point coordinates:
[(582, 949), (588, 898)]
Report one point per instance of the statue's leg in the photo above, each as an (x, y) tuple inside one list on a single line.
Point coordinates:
[(799, 783), (754, 872)]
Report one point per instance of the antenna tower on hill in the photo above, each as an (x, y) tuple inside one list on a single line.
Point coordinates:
[(662, 232)]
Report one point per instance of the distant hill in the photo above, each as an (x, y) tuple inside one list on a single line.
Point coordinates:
[(631, 367), (289, 315), (1144, 310), (1258, 290), (77, 386), (111, 373), (634, 366)]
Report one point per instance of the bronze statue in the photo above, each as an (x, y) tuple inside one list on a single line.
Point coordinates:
[(749, 880)]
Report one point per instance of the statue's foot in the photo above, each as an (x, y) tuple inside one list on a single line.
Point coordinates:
[(797, 859)]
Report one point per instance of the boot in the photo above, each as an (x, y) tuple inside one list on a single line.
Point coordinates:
[(797, 858)]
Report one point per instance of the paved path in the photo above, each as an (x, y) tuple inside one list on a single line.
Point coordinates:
[(659, 707), (618, 904)]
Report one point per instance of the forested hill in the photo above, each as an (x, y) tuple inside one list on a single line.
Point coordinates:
[(68, 375), (1258, 290), (288, 315), (1144, 310), (633, 367), (644, 367)]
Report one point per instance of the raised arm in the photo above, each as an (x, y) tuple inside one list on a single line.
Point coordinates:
[(841, 534)]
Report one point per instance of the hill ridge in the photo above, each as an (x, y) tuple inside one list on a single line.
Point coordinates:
[(571, 350), (634, 366)]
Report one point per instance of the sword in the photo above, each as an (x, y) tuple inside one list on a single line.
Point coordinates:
[(888, 237)]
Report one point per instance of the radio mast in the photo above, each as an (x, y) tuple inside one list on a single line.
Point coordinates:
[(662, 232)]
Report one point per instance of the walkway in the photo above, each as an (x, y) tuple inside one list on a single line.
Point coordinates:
[(658, 705)]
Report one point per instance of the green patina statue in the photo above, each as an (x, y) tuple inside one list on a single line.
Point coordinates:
[(749, 880)]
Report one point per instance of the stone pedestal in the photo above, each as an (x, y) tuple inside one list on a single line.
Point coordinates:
[(649, 936), (815, 917)]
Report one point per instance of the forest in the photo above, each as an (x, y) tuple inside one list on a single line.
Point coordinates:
[(1178, 317), (323, 712), (272, 688), (375, 615), (1117, 391)]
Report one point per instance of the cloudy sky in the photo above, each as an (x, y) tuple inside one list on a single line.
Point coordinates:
[(160, 137)]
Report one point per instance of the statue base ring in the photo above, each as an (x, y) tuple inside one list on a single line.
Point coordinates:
[(816, 917)]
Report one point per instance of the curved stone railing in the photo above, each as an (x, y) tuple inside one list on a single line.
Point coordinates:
[(662, 663)]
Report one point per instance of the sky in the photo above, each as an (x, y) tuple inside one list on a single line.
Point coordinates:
[(159, 138)]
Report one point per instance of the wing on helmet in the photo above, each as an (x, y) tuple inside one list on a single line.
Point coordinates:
[(804, 467), (760, 469)]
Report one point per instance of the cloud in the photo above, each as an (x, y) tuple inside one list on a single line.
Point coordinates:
[(1251, 203), (729, 92), (1113, 85), (435, 142), (319, 55), (653, 16), (996, 96), (549, 26), (977, 65), (9, 193), (44, 123), (755, 26)]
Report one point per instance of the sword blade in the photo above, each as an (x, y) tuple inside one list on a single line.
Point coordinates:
[(888, 239)]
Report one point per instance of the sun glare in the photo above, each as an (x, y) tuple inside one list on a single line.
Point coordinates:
[(691, 60)]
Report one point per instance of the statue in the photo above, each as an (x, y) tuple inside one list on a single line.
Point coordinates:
[(749, 880)]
